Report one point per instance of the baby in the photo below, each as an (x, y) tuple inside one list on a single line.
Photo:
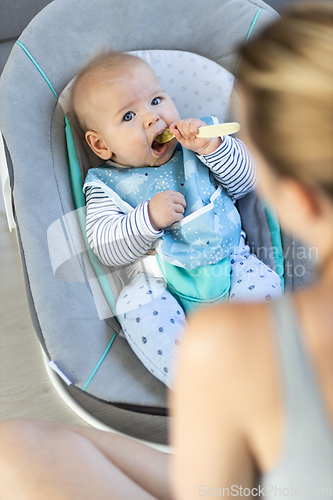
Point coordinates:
[(176, 197)]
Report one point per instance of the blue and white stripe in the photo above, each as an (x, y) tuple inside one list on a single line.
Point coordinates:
[(115, 238), (233, 167)]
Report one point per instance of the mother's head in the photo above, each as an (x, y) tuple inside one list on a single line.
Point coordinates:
[(286, 85)]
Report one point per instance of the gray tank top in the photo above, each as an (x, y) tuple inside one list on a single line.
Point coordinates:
[(305, 465)]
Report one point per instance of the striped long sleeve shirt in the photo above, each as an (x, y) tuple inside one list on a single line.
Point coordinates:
[(118, 239)]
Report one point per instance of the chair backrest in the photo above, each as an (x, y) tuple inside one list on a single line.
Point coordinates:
[(60, 39)]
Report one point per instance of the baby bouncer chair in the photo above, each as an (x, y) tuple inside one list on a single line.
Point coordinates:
[(71, 295)]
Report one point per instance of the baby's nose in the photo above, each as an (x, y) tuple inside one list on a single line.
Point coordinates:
[(151, 119)]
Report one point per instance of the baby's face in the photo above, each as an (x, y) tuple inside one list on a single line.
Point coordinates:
[(131, 110)]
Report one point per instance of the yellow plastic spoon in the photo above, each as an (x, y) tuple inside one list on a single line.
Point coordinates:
[(204, 132)]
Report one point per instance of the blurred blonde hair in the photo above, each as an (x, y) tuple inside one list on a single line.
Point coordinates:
[(287, 74)]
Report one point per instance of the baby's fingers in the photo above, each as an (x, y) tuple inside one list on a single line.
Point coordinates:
[(193, 127), (184, 127), (174, 130), (179, 199), (179, 209), (177, 217), (188, 128)]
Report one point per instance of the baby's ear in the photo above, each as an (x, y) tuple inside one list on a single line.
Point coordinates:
[(97, 144)]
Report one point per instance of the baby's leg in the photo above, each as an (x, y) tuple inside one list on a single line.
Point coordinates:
[(251, 279), (153, 322)]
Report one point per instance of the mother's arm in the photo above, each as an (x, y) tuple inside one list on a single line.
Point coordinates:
[(218, 384)]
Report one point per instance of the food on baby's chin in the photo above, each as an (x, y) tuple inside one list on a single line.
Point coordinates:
[(165, 136)]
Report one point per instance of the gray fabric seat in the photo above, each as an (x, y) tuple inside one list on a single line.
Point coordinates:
[(60, 39), (15, 15)]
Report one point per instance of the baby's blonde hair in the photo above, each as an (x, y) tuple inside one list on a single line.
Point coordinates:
[(90, 75), (287, 74)]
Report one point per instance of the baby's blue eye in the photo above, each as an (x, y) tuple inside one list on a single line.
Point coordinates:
[(128, 116), (156, 101)]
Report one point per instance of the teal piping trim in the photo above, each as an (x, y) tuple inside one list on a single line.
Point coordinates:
[(99, 363), (274, 227), (253, 23), (79, 203), (78, 196), (38, 67), (248, 36)]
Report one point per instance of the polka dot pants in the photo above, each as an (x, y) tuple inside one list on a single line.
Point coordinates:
[(251, 279), (152, 321)]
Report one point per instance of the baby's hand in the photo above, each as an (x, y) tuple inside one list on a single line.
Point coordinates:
[(165, 208), (185, 132)]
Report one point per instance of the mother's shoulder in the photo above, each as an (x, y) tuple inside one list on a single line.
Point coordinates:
[(230, 353)]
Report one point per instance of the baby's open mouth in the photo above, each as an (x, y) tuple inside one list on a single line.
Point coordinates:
[(157, 146), (162, 140)]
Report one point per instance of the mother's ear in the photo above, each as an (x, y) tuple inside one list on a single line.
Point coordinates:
[(302, 210), (97, 144), (308, 200)]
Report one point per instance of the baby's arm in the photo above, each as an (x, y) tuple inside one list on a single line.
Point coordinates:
[(117, 239), (233, 167), (229, 160)]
